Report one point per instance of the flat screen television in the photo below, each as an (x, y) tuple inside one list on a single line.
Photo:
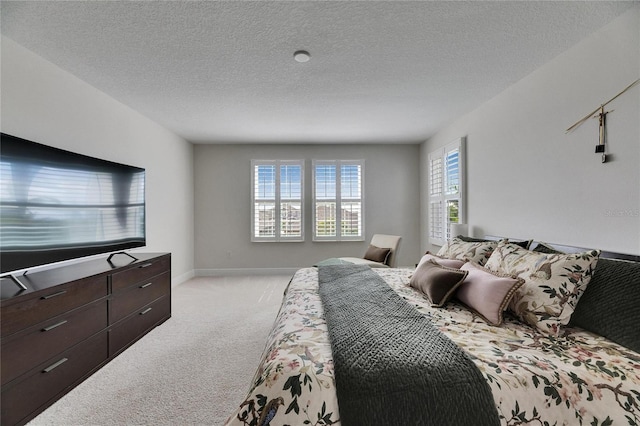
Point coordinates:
[(57, 205)]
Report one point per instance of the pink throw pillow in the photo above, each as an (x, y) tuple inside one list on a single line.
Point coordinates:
[(486, 292)]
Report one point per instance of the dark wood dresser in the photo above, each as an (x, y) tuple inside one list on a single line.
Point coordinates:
[(71, 321)]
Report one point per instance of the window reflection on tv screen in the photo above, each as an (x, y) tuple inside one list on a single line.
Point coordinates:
[(57, 205)]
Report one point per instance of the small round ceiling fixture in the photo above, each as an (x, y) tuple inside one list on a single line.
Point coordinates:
[(301, 56)]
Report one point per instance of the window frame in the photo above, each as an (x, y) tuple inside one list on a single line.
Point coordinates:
[(338, 200), (277, 200), (438, 227)]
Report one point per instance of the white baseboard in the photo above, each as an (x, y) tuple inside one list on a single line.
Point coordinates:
[(175, 281), (244, 271)]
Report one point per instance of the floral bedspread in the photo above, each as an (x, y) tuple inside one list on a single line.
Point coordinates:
[(575, 379)]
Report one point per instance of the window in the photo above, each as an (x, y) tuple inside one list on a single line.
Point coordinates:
[(446, 190), (277, 200), (338, 204)]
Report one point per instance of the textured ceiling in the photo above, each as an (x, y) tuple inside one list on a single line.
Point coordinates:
[(223, 72)]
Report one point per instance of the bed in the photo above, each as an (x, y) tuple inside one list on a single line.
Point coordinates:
[(538, 363)]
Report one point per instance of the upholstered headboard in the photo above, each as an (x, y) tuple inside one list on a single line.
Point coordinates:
[(572, 249)]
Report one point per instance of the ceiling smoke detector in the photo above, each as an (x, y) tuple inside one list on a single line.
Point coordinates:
[(301, 56)]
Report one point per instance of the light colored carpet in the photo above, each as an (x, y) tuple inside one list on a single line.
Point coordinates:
[(194, 369)]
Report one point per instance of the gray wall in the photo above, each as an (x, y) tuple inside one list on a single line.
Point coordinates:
[(527, 178), (223, 204), (43, 103)]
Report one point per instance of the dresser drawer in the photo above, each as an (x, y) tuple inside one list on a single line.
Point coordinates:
[(20, 354), (126, 302), (44, 384), (131, 329), (52, 302), (137, 274)]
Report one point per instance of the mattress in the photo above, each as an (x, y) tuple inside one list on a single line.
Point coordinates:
[(578, 378)]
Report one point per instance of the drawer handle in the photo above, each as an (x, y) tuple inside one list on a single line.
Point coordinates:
[(145, 311), (60, 293), (145, 285), (146, 265), (57, 364), (51, 327)]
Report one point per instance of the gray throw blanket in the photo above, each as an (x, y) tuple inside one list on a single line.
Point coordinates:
[(392, 365)]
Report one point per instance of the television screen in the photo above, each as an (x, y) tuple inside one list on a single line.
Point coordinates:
[(57, 205)]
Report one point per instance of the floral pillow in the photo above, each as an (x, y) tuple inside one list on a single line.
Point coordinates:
[(477, 252), (553, 283), (444, 261)]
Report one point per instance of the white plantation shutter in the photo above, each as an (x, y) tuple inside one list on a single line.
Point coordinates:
[(436, 229), (452, 173), (452, 169), (338, 205), (446, 191), (264, 201), (325, 201), (452, 216), (277, 200), (291, 201), (351, 200)]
